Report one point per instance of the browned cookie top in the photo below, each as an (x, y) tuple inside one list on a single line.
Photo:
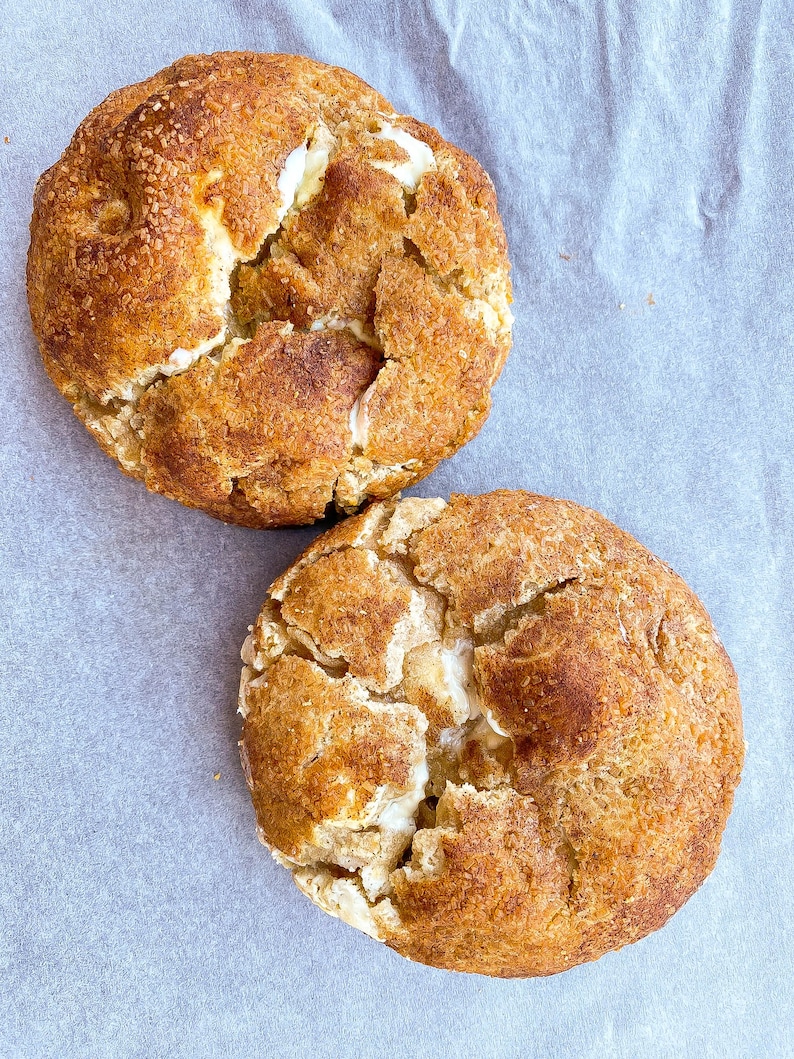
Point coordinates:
[(497, 734), (264, 291)]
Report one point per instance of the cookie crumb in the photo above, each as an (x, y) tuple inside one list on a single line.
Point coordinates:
[(217, 776)]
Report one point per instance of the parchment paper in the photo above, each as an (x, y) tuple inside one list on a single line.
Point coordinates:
[(642, 153)]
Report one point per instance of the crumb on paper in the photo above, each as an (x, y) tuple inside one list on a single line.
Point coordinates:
[(622, 305), (565, 257), (217, 776), (649, 300), (6, 139)]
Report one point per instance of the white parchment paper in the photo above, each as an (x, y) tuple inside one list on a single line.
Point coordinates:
[(642, 153)]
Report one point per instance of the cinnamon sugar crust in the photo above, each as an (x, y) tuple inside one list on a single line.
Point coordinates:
[(264, 291), (496, 734)]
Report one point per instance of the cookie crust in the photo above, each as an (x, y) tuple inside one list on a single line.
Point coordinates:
[(265, 292), (498, 734)]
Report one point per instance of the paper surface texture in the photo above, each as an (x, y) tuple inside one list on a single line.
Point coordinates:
[(643, 158)]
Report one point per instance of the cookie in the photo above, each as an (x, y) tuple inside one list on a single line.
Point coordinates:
[(496, 734), (265, 293)]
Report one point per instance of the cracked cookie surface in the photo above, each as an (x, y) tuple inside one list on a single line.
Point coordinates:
[(497, 734), (265, 292)]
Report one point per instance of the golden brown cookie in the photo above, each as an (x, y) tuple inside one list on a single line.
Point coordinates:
[(497, 734), (264, 291)]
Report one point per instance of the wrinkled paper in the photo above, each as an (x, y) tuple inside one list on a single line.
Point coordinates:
[(642, 154)]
